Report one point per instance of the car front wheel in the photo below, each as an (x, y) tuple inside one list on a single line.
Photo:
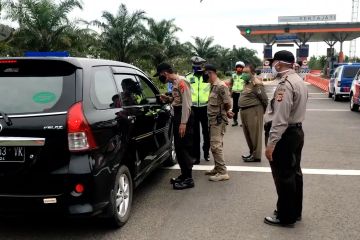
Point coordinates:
[(121, 198)]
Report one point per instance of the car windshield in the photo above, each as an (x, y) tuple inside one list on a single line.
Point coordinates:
[(350, 72), (25, 90)]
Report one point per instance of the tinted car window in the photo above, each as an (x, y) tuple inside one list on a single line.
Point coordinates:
[(350, 72), (130, 90), (36, 86), (148, 92), (103, 88)]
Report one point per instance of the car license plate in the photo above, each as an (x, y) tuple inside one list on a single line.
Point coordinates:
[(12, 154)]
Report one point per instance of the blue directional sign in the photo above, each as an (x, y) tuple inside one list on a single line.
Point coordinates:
[(286, 38), (46, 54)]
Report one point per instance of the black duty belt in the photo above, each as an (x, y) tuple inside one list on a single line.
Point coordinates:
[(295, 125)]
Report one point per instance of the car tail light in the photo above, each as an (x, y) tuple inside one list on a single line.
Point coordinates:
[(79, 188), (80, 136)]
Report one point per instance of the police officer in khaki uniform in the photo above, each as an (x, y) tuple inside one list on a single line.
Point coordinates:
[(182, 125), (219, 110), (253, 102), (284, 117)]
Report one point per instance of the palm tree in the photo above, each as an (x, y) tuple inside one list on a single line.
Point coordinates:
[(246, 55), (120, 33), (43, 24), (204, 48), (159, 42)]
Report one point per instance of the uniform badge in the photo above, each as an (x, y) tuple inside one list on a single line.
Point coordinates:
[(280, 95)]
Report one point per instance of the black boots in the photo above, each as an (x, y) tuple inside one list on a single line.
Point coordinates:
[(181, 183)]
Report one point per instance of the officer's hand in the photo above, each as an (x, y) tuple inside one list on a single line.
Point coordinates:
[(164, 98), (182, 130), (269, 152), (230, 114)]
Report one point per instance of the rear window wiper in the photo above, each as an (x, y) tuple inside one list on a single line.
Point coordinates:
[(6, 118)]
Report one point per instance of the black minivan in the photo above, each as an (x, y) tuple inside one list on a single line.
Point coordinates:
[(77, 135)]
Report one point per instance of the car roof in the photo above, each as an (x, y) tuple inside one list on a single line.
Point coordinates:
[(78, 62)]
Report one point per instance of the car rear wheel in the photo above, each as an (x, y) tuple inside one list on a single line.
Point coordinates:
[(353, 106), (335, 97), (330, 94), (121, 198)]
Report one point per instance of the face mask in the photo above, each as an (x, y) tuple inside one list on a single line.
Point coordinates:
[(275, 72), (246, 77), (162, 79), (197, 69), (205, 77)]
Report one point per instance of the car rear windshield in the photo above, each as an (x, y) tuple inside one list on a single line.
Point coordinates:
[(350, 72), (36, 86)]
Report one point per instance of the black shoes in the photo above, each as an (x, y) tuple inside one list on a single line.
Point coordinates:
[(196, 162), (235, 124), (244, 157), (250, 158), (274, 221), (177, 180), (184, 184), (207, 158), (276, 214)]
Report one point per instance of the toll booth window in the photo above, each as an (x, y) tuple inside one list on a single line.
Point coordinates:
[(129, 90), (103, 88)]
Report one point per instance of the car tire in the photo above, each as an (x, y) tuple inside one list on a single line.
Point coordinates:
[(353, 106), (330, 94), (335, 97), (121, 198), (172, 160)]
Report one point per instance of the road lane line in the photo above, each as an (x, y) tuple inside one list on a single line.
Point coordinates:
[(326, 110), (308, 171)]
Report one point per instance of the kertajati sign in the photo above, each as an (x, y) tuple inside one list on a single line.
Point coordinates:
[(307, 18)]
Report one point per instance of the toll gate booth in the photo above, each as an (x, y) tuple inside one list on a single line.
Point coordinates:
[(300, 34)]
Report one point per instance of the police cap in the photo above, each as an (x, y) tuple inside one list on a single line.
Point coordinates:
[(240, 64), (197, 61), (284, 56), (163, 67), (210, 67)]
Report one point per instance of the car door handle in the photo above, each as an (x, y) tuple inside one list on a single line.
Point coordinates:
[(131, 118)]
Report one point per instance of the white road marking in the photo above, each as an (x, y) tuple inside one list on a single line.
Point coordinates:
[(309, 171), (326, 110)]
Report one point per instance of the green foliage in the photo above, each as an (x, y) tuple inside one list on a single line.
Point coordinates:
[(130, 37), (317, 63)]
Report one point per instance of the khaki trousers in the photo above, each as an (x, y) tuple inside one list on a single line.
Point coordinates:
[(216, 145), (252, 120)]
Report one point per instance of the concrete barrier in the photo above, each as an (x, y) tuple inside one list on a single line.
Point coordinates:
[(318, 81)]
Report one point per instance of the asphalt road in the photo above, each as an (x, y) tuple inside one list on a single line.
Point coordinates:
[(235, 209)]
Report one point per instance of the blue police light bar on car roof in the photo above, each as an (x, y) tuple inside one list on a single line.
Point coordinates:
[(47, 54)]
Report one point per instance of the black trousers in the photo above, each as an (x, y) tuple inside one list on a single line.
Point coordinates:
[(287, 174), (201, 117), (235, 108), (183, 146)]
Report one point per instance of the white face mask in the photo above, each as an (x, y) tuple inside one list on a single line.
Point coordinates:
[(275, 72)]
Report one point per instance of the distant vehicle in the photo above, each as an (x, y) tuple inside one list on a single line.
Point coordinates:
[(355, 93), (77, 135), (340, 81)]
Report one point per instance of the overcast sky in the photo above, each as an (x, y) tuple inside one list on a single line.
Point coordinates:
[(219, 18)]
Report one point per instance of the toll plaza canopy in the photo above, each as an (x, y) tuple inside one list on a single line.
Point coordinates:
[(302, 32)]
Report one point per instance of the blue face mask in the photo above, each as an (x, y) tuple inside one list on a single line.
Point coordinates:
[(197, 68)]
